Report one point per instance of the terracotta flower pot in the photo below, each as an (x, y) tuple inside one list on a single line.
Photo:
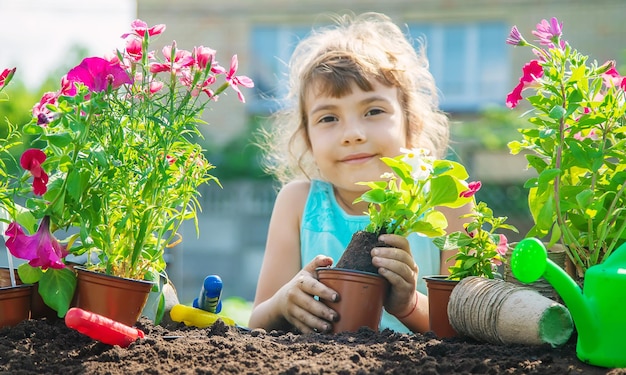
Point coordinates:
[(37, 306), (14, 304), (361, 297), (117, 298), (439, 290)]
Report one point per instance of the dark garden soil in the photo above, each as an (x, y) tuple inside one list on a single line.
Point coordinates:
[(49, 347), (357, 255)]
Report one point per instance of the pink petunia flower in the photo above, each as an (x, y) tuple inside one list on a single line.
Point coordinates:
[(502, 245), (97, 74), (612, 78), (531, 72), (236, 81), (40, 249), (31, 160)]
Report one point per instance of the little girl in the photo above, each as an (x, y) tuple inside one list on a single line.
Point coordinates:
[(359, 91)]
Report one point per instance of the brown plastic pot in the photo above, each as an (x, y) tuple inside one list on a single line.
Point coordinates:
[(439, 290), (38, 308), (14, 304), (117, 298), (361, 297)]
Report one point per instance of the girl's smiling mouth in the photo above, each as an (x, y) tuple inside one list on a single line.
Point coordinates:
[(357, 158)]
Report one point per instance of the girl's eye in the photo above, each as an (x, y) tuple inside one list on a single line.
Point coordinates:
[(327, 119), (375, 111)]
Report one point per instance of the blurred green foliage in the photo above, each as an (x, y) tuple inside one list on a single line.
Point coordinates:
[(241, 157), (492, 129)]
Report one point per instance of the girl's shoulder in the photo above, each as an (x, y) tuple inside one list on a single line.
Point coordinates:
[(294, 194)]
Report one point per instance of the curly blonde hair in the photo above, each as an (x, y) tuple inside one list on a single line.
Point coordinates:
[(356, 50)]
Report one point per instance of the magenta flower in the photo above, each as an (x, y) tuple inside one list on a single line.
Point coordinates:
[(612, 78), (531, 72), (236, 81), (41, 249), (473, 187), (548, 32), (98, 74), (31, 160), (6, 76)]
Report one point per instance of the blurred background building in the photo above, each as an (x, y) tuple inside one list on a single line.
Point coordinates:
[(472, 65)]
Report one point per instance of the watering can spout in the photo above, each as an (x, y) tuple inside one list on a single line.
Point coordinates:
[(529, 262)]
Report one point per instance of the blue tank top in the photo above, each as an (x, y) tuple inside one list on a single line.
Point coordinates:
[(327, 229)]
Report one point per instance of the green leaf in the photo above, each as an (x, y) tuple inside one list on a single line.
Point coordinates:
[(57, 288), (60, 139), (443, 190), (32, 129), (28, 274), (375, 196), (557, 112)]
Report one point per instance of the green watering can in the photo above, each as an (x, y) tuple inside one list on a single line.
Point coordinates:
[(599, 311)]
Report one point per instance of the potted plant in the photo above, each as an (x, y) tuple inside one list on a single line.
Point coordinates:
[(15, 298), (116, 164), (480, 251), (404, 201), (576, 145)]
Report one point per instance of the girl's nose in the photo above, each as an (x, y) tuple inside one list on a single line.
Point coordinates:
[(354, 132)]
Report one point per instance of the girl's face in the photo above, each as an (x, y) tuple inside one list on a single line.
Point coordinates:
[(350, 134)]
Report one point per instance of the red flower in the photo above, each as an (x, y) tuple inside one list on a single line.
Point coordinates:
[(531, 72), (31, 160), (41, 249), (473, 186), (5, 76), (97, 74)]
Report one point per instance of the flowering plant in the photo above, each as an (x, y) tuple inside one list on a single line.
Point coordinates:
[(406, 200), (8, 142), (115, 166), (577, 146), (480, 250)]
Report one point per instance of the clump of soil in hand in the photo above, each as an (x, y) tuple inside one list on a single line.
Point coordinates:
[(358, 254)]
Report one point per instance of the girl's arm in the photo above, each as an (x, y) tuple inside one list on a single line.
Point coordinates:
[(284, 295)]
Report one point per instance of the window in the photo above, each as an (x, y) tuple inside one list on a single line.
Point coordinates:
[(469, 61), (272, 47)]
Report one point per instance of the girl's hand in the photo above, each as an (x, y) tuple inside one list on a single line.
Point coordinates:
[(396, 264), (297, 304)]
